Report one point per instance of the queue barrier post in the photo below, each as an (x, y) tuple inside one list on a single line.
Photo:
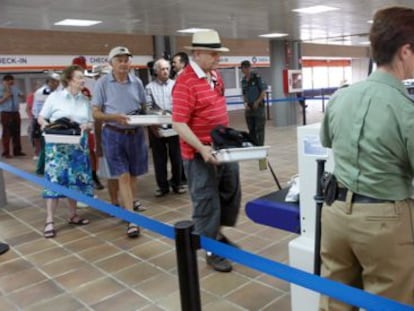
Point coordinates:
[(187, 243)]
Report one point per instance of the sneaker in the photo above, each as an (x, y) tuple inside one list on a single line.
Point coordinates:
[(160, 193), (179, 190), (218, 263), (35, 158)]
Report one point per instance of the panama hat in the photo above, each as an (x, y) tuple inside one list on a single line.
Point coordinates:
[(208, 40)]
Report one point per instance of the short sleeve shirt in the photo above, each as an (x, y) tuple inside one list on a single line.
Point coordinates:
[(199, 104), (370, 126)]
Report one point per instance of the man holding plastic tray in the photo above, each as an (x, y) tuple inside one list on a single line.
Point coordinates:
[(199, 106), (116, 95)]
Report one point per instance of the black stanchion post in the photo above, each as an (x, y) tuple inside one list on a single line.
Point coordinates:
[(319, 202), (267, 105), (186, 244)]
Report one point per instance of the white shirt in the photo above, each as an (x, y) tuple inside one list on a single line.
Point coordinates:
[(62, 104)]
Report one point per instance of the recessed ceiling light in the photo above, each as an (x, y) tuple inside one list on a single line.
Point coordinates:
[(192, 30), (77, 22), (273, 35), (370, 21), (315, 9), (365, 42)]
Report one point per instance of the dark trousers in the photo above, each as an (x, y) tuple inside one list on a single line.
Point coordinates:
[(162, 148), (256, 121), (10, 122), (215, 194)]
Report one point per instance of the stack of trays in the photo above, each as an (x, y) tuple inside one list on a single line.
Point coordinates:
[(62, 139), (150, 119), (241, 154)]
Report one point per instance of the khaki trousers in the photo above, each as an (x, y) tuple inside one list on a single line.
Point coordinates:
[(369, 246)]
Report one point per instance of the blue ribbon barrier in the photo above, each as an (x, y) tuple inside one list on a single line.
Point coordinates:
[(313, 282), (347, 294), (105, 207)]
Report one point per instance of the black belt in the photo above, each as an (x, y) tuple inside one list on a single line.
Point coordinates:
[(358, 198), (128, 131)]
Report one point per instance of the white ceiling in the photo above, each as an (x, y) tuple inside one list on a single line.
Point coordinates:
[(232, 18)]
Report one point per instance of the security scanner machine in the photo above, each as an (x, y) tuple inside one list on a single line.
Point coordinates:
[(300, 218), (301, 249)]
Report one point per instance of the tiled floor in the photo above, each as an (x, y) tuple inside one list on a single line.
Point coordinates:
[(96, 267)]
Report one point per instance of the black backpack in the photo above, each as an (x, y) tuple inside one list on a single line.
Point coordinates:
[(226, 137)]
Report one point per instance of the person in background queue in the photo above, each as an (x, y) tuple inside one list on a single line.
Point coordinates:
[(254, 93), (10, 97), (40, 96), (159, 94), (67, 164), (116, 95), (87, 91)]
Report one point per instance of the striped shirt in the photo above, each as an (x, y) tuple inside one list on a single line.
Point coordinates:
[(200, 104), (159, 94)]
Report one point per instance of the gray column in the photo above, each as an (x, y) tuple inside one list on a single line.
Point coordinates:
[(162, 47), (283, 54), (3, 196)]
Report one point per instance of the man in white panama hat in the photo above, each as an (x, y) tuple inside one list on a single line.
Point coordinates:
[(199, 105)]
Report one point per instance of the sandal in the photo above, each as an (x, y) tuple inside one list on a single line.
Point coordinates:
[(51, 233), (137, 206), (133, 231), (78, 221)]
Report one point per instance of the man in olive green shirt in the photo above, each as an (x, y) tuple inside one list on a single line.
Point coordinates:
[(367, 233)]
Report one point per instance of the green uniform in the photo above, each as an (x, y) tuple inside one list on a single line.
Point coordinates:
[(255, 119)]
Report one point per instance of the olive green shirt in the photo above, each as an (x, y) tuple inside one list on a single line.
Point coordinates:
[(370, 128)]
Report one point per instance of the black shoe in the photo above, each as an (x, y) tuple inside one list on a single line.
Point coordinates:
[(3, 248), (218, 263), (19, 154), (160, 193), (179, 190), (222, 238)]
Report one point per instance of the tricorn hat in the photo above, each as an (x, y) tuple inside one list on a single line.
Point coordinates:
[(208, 40)]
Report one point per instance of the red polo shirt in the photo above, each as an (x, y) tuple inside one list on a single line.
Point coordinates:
[(199, 105)]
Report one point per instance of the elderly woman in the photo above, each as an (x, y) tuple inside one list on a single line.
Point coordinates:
[(67, 164)]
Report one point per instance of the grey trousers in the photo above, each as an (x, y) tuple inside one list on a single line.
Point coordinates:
[(215, 194)]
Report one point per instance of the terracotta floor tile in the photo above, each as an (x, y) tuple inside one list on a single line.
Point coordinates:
[(116, 263), (64, 302), (126, 300), (150, 249), (253, 296), (35, 293), (78, 277), (98, 290), (158, 287), (223, 284), (138, 273), (100, 252), (61, 266), (19, 280), (14, 266), (96, 267)]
